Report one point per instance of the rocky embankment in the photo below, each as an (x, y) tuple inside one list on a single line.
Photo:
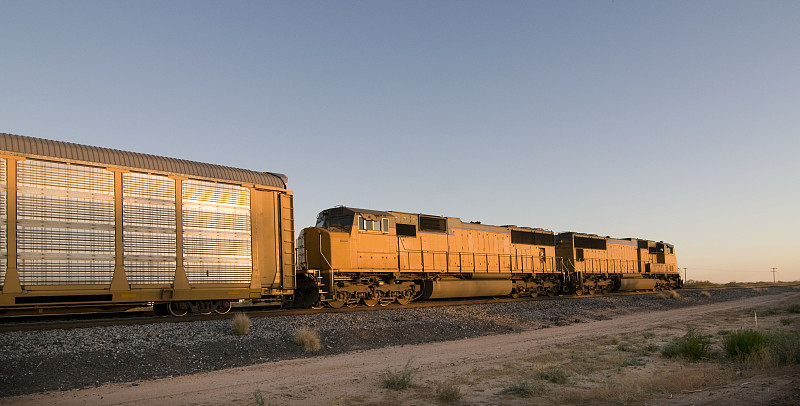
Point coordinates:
[(38, 361)]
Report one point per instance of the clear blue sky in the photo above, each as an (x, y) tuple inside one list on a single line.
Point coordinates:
[(671, 120)]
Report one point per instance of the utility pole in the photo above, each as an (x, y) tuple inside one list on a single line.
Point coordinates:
[(684, 274), (774, 271)]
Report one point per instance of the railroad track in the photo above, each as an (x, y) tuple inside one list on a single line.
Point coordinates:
[(139, 317)]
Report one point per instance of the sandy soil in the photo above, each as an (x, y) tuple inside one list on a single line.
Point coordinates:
[(478, 364)]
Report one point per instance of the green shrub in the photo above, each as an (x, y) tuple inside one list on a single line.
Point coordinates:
[(241, 324), (787, 321), (743, 344), (399, 379), (794, 308), (525, 389), (783, 347), (692, 346)]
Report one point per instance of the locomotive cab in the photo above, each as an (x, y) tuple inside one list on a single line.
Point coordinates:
[(350, 256)]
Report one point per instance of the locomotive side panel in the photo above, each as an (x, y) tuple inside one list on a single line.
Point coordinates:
[(479, 249)]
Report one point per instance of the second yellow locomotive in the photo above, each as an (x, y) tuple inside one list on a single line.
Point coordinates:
[(376, 257)]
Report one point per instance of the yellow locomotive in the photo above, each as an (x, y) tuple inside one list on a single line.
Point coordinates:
[(373, 257)]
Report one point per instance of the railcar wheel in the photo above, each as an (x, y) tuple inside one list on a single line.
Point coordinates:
[(178, 309), (371, 302), (161, 309), (222, 307)]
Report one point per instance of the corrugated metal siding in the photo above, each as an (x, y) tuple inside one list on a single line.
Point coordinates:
[(65, 224), (18, 144), (149, 238), (216, 233)]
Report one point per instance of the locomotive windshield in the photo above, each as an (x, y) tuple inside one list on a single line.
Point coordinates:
[(336, 221)]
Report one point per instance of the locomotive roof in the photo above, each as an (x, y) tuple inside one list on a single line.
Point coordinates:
[(38, 147), (342, 209), (611, 238)]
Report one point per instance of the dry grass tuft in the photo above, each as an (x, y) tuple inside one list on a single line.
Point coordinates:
[(705, 293), (636, 389), (698, 284), (525, 389), (448, 393), (399, 379), (760, 291), (241, 324), (673, 294), (308, 339)]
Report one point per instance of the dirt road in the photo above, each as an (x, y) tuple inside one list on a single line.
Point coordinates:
[(478, 365)]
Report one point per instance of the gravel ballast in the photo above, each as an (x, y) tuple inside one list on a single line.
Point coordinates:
[(37, 361)]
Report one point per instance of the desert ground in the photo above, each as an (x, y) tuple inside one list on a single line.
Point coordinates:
[(614, 361)]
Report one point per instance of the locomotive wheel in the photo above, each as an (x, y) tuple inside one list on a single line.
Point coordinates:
[(404, 297), (551, 293), (336, 304), (178, 311), (373, 299)]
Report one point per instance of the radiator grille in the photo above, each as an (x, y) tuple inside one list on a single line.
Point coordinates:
[(65, 224), (216, 233), (149, 241)]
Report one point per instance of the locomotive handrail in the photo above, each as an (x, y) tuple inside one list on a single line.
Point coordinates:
[(323, 254), (505, 262)]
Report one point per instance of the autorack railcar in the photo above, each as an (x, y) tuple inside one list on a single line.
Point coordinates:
[(88, 228)]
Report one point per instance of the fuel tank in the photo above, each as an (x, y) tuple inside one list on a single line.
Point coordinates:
[(637, 284), (449, 288)]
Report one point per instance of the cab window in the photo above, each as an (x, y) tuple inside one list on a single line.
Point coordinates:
[(373, 225)]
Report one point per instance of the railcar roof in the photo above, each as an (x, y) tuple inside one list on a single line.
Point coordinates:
[(30, 146)]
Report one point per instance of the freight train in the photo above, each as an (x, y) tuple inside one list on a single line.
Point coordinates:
[(86, 228), (372, 257)]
